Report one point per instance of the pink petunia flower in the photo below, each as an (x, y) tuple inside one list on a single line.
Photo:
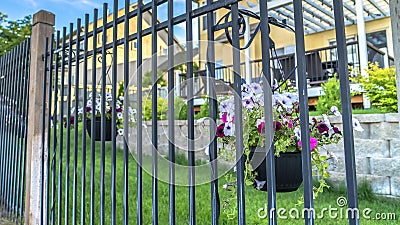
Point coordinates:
[(313, 143)]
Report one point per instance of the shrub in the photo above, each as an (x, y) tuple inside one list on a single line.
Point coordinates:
[(331, 96), (180, 112), (180, 109), (147, 79), (162, 109), (204, 109), (380, 87)]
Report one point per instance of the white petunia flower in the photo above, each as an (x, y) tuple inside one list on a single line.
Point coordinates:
[(326, 121), (229, 129), (119, 115), (260, 184), (357, 126), (297, 133), (120, 132), (121, 98), (335, 111)]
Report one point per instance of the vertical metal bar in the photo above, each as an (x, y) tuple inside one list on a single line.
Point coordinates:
[(25, 88), (20, 128), (154, 112), (4, 121), (240, 158), (269, 145), (60, 158), (75, 176), (139, 110), (55, 115), (68, 141), (190, 111), (2, 96), (303, 106), (114, 114), (2, 86), (126, 78), (49, 116), (215, 205), (4, 125), (351, 178), (15, 129), (26, 103), (46, 49), (8, 119), (92, 141), (84, 118), (171, 119), (9, 133), (103, 110), (8, 144)]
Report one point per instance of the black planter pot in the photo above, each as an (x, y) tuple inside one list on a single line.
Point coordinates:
[(288, 170), (97, 129)]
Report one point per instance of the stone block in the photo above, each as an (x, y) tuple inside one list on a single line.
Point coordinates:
[(395, 186), (392, 117), (394, 148), (385, 167), (363, 134), (370, 118), (371, 148), (362, 165), (379, 184), (384, 130)]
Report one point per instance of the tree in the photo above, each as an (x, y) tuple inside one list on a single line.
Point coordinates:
[(13, 33)]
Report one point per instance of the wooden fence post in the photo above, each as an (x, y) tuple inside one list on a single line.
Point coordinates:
[(42, 27)]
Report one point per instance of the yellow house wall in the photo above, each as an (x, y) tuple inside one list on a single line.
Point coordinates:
[(285, 38)]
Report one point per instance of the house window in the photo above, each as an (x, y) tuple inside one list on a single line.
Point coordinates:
[(133, 45), (163, 51), (205, 21)]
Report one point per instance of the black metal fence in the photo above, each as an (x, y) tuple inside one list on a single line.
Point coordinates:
[(14, 93), (90, 181)]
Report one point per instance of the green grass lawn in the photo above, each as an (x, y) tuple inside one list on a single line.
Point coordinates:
[(254, 199)]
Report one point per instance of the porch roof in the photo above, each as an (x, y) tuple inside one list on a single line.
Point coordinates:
[(319, 15)]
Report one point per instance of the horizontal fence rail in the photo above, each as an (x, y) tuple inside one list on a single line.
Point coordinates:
[(14, 98)]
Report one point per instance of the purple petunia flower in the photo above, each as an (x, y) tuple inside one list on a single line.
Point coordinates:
[(220, 130), (277, 125), (261, 128), (88, 108), (322, 127), (337, 131)]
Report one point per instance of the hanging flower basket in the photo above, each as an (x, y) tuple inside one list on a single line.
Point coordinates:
[(288, 170), (97, 129)]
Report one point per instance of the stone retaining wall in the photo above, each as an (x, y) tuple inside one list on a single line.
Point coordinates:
[(377, 148), (377, 151)]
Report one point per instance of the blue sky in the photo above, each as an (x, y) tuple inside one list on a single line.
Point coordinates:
[(68, 11)]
